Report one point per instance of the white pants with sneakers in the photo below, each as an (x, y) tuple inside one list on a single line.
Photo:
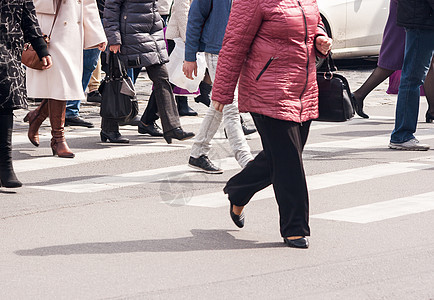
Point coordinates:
[(231, 122)]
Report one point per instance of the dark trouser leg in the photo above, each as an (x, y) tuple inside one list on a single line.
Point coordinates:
[(280, 164), (109, 125), (150, 114), (164, 97), (7, 174)]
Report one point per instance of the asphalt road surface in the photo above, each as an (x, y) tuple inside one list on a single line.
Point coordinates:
[(135, 222)]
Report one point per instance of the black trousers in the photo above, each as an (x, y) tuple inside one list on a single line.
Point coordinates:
[(280, 163), (150, 114)]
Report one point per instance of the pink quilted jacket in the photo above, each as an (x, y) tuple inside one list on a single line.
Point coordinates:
[(269, 46)]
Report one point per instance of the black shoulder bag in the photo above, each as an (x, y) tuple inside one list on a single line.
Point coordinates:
[(335, 102), (117, 91)]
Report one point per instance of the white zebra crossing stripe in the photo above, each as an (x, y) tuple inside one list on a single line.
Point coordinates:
[(113, 152), (320, 181), (104, 183), (382, 210)]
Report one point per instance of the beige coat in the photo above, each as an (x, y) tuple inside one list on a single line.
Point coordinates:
[(177, 26), (164, 6), (78, 26)]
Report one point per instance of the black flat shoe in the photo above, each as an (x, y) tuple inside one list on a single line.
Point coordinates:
[(77, 121), (238, 219), (113, 137), (358, 104), (302, 243), (151, 129), (428, 117), (178, 134)]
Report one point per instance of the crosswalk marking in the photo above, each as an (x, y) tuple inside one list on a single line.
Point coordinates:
[(73, 133), (382, 210), (104, 183), (115, 152), (319, 181)]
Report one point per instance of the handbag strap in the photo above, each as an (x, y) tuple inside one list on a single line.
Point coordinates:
[(59, 2), (330, 64)]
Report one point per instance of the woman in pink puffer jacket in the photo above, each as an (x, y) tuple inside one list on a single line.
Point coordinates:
[(270, 46)]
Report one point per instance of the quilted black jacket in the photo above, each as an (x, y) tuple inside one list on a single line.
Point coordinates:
[(416, 14), (137, 26)]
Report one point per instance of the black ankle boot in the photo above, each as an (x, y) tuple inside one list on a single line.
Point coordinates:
[(183, 108), (358, 105), (429, 117), (205, 92), (178, 134), (113, 137), (7, 175)]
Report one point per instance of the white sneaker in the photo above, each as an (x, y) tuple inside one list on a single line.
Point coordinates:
[(412, 145)]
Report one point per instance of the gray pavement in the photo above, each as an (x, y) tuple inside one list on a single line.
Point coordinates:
[(134, 222)]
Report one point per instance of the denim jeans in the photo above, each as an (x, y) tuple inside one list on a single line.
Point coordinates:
[(419, 49), (90, 60), (231, 122)]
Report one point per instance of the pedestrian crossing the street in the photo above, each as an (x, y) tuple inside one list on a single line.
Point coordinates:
[(377, 211)]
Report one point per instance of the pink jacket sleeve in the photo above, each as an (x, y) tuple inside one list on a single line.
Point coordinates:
[(244, 22)]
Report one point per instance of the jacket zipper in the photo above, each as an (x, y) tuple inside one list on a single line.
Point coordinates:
[(265, 67), (307, 55)]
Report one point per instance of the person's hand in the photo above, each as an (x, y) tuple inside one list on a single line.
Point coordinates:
[(323, 44), (115, 48), (101, 46), (47, 62), (189, 67), (218, 106)]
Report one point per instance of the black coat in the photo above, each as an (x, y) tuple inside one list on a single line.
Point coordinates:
[(18, 24), (137, 26), (416, 14)]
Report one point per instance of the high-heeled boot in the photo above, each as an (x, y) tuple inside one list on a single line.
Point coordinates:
[(7, 175), (35, 119), (177, 133), (59, 146)]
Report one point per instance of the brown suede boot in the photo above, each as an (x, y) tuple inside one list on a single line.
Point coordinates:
[(57, 111), (35, 119)]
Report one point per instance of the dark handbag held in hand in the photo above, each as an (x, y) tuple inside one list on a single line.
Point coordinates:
[(117, 91), (29, 57), (335, 103)]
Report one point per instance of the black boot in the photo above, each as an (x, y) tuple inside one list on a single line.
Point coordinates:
[(183, 108), (7, 174), (205, 92)]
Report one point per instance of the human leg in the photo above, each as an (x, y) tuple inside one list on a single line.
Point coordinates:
[(56, 110), (35, 119), (7, 175), (110, 132), (428, 87), (166, 104), (378, 76), (72, 115), (419, 50), (236, 137)]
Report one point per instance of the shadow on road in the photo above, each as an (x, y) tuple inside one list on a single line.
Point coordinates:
[(202, 240)]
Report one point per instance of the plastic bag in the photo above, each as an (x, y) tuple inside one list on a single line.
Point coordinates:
[(174, 67)]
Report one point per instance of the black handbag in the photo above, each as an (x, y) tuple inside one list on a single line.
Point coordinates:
[(117, 91), (335, 102)]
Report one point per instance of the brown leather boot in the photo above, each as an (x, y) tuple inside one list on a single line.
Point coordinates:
[(35, 119), (57, 111)]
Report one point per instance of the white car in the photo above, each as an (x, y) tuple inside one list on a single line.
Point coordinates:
[(356, 26)]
